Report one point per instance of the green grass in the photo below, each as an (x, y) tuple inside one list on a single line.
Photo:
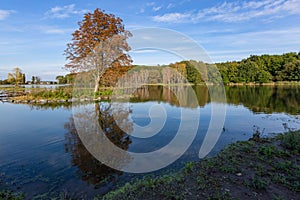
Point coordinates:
[(59, 93), (6, 194), (291, 141), (267, 167)]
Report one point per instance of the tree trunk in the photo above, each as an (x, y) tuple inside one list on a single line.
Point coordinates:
[(97, 85)]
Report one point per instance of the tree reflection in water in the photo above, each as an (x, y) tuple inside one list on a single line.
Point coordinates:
[(267, 99), (90, 169)]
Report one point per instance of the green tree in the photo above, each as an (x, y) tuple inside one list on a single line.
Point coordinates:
[(291, 71), (193, 74), (70, 78), (247, 71), (263, 76), (61, 79)]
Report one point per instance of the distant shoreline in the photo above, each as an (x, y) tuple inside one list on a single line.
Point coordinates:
[(63, 93), (265, 84)]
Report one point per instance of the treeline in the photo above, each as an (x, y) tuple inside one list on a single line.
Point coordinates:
[(182, 72), (67, 79), (17, 77), (255, 69), (262, 69)]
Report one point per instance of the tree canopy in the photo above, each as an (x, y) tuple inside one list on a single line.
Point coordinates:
[(262, 69), (98, 44)]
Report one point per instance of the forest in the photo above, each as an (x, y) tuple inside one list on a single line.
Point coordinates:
[(262, 69), (254, 69)]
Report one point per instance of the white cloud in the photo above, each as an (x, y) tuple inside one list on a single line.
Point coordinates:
[(155, 9), (11, 28), (237, 11), (237, 46), (170, 5), (145, 51), (242, 11), (53, 73), (150, 3), (142, 10), (5, 13), (184, 1), (172, 17), (64, 11), (53, 30)]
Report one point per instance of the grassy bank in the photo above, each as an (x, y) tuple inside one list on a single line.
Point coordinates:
[(254, 169), (63, 93), (52, 94)]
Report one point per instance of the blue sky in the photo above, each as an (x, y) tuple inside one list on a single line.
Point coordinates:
[(34, 33)]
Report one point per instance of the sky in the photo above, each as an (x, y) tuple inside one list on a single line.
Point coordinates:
[(34, 33)]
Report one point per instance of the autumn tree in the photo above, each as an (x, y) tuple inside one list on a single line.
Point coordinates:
[(17, 77), (98, 44), (10, 78), (113, 74)]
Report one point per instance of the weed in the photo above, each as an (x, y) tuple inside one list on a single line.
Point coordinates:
[(201, 182), (259, 183), (5, 194), (189, 166), (220, 196), (257, 134), (228, 169), (285, 166), (275, 197), (267, 150), (291, 141)]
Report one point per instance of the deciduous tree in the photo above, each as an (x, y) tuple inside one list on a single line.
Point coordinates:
[(99, 43)]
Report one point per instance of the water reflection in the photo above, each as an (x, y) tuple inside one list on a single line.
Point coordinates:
[(171, 94), (267, 99), (51, 106), (91, 170)]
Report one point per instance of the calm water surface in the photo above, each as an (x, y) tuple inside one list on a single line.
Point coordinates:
[(42, 155)]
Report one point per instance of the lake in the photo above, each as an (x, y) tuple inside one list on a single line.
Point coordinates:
[(43, 155)]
